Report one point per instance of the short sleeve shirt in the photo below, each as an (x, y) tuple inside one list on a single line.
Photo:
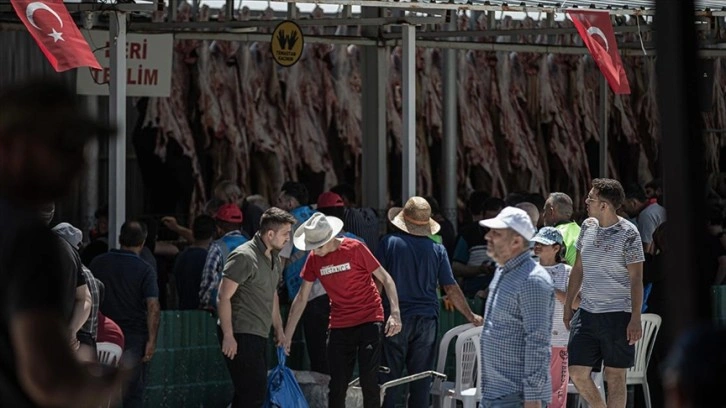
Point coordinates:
[(346, 274), (418, 265), (257, 277), (649, 219), (560, 274), (605, 255)]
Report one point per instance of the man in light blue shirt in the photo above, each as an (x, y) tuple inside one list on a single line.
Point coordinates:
[(515, 339)]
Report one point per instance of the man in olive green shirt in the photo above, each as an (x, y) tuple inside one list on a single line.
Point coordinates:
[(248, 306)]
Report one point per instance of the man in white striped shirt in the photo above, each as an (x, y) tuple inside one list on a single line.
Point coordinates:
[(609, 269)]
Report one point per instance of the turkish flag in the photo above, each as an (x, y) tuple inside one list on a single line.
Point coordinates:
[(597, 33), (56, 33)]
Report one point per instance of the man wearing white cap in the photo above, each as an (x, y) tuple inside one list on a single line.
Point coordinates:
[(515, 339), (345, 268)]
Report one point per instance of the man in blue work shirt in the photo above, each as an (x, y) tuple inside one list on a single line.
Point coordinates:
[(515, 340), (417, 265), (293, 198)]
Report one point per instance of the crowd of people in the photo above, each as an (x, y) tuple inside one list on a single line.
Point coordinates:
[(563, 293)]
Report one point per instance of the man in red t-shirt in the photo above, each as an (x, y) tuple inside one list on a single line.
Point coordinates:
[(345, 268)]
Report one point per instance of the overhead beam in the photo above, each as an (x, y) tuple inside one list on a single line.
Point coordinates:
[(222, 26), (122, 7), (358, 40), (424, 7)]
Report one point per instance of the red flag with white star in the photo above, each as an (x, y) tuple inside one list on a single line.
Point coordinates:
[(56, 33), (596, 31)]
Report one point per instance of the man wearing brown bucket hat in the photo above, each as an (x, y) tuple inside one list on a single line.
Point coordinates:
[(418, 265), (345, 267)]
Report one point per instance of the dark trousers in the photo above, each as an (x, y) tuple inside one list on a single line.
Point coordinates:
[(135, 346), (414, 349), (248, 370), (344, 346), (315, 323)]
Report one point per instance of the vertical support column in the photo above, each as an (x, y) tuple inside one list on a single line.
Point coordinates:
[(291, 11), (173, 8), (117, 117), (684, 170), (450, 136), (229, 10), (408, 136), (90, 183), (603, 161), (374, 166)]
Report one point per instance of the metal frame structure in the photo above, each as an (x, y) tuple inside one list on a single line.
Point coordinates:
[(439, 30)]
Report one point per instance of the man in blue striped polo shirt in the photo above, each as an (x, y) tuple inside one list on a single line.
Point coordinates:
[(515, 339), (609, 269)]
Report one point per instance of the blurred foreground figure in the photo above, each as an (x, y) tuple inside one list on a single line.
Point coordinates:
[(694, 372), (42, 138)]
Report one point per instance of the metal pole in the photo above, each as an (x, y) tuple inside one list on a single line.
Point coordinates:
[(408, 187), (117, 117), (450, 136), (603, 127), (374, 71), (90, 193)]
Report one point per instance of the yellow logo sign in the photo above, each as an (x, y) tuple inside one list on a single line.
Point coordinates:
[(287, 43)]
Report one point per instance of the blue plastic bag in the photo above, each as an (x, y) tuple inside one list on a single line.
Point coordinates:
[(283, 390)]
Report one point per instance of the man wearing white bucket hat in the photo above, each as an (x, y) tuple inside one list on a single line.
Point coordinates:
[(345, 268), (515, 339)]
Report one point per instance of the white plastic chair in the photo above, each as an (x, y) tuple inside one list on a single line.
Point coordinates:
[(108, 353), (597, 378), (638, 374), (466, 388), (440, 388)]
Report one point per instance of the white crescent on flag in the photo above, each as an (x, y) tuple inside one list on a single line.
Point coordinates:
[(592, 31), (37, 5)]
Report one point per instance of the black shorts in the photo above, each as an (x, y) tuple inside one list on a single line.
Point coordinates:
[(597, 338)]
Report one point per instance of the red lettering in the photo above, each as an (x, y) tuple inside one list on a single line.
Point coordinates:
[(151, 76), (135, 51)]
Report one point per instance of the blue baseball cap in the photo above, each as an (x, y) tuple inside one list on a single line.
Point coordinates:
[(549, 236)]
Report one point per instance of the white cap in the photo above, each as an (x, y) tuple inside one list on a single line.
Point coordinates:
[(514, 218), (73, 235)]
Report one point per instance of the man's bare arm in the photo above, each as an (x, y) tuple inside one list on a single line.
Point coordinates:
[(153, 317), (456, 296), (81, 308)]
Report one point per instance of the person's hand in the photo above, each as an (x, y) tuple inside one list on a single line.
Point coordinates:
[(482, 293), (75, 344), (229, 346), (635, 330), (476, 320), (532, 404), (286, 342), (393, 325), (567, 316), (280, 338), (170, 223), (448, 305), (149, 351)]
